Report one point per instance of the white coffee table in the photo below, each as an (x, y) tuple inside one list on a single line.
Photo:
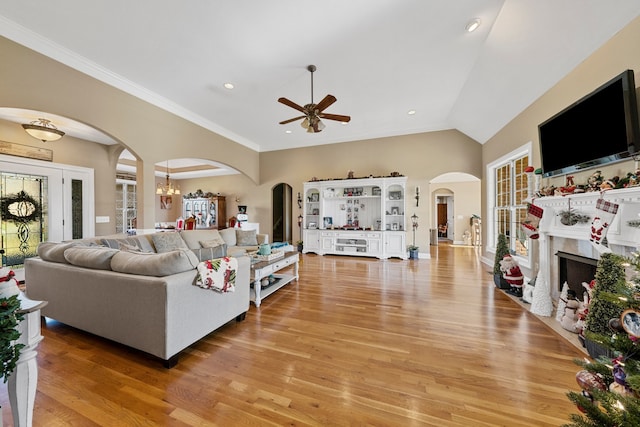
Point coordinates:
[(262, 269)]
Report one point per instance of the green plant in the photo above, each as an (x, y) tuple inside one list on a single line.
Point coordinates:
[(413, 247), (502, 249), (9, 350)]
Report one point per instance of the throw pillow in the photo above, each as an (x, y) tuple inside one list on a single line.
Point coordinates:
[(212, 243), (139, 242), (246, 238), (167, 242), (150, 264)]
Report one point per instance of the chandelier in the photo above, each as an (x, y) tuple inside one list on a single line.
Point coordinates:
[(168, 188), (43, 130)]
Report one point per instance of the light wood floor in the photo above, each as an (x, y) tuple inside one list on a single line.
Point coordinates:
[(356, 342)]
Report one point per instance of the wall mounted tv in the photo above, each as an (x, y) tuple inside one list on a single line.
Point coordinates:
[(600, 128)]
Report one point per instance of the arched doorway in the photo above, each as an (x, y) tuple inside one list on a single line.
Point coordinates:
[(281, 213)]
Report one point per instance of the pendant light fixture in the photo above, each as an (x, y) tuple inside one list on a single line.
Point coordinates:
[(169, 188), (43, 130)]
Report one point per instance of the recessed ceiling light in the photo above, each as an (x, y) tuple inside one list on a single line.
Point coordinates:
[(228, 86), (287, 131), (411, 112), (473, 25)]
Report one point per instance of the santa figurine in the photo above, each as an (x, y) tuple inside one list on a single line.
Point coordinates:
[(512, 274)]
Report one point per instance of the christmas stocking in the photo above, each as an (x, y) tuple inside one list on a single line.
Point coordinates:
[(605, 211), (530, 224)]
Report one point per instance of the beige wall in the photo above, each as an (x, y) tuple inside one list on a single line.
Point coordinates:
[(420, 157), (620, 53)]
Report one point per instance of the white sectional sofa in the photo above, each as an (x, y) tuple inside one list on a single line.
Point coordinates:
[(139, 290)]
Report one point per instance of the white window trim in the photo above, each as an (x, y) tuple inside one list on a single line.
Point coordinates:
[(524, 150)]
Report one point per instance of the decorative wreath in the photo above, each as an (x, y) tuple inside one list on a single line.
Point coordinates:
[(20, 207)]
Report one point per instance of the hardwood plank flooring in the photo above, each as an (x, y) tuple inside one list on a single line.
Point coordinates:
[(356, 341)]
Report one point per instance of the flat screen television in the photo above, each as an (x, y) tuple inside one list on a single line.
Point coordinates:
[(600, 128)]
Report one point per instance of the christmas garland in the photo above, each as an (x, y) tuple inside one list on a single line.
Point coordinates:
[(570, 217)]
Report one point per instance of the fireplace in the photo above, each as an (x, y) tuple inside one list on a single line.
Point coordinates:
[(575, 269)]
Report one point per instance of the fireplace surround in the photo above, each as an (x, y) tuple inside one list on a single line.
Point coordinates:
[(572, 241)]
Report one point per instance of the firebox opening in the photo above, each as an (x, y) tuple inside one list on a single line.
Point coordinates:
[(575, 269)]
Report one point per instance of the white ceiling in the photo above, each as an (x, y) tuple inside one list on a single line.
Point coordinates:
[(380, 58)]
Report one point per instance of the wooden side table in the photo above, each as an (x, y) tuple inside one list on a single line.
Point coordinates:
[(24, 379)]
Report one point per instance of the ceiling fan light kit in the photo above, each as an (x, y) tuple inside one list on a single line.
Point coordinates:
[(312, 113)]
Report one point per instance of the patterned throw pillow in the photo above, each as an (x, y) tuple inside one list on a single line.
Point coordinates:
[(212, 243), (167, 242), (246, 238)]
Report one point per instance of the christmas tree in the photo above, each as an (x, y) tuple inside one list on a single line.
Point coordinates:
[(611, 386)]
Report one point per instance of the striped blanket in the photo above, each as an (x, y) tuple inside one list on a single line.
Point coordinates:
[(217, 274)]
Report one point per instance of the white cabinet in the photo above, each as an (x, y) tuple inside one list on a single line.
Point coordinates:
[(352, 217)]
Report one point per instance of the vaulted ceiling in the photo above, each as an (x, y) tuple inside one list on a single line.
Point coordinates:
[(379, 58)]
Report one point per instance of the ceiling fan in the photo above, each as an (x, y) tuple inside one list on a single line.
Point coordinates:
[(313, 112)]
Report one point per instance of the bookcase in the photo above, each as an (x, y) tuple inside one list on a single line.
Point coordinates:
[(361, 217)]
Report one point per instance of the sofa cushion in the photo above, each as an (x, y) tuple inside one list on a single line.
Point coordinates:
[(167, 242), (154, 264), (97, 258), (246, 238), (229, 236), (128, 243), (193, 237), (54, 252)]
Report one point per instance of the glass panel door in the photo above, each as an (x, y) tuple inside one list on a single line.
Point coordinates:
[(23, 216)]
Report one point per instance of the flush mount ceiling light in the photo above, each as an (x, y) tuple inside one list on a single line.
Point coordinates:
[(473, 25), (411, 112), (43, 130), (228, 86)]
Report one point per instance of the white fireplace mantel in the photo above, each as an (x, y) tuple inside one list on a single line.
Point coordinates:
[(621, 237)]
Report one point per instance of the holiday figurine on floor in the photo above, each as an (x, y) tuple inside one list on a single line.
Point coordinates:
[(512, 274)]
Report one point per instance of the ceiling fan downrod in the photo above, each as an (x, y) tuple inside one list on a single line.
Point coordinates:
[(311, 68)]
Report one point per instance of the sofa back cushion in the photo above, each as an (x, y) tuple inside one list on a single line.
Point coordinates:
[(152, 264), (97, 258), (167, 242), (229, 236), (54, 251)]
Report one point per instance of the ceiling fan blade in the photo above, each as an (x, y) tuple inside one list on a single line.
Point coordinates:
[(291, 104), (336, 117), (292, 120), (327, 101)]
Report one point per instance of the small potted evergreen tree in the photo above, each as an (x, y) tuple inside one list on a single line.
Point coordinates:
[(610, 281), (502, 249)]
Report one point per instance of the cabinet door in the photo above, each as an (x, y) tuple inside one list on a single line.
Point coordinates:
[(311, 240), (375, 246), (327, 243), (394, 245)]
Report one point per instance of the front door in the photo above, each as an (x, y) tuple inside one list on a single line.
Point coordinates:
[(42, 201)]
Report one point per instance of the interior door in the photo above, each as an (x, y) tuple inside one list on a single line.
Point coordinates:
[(281, 213)]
